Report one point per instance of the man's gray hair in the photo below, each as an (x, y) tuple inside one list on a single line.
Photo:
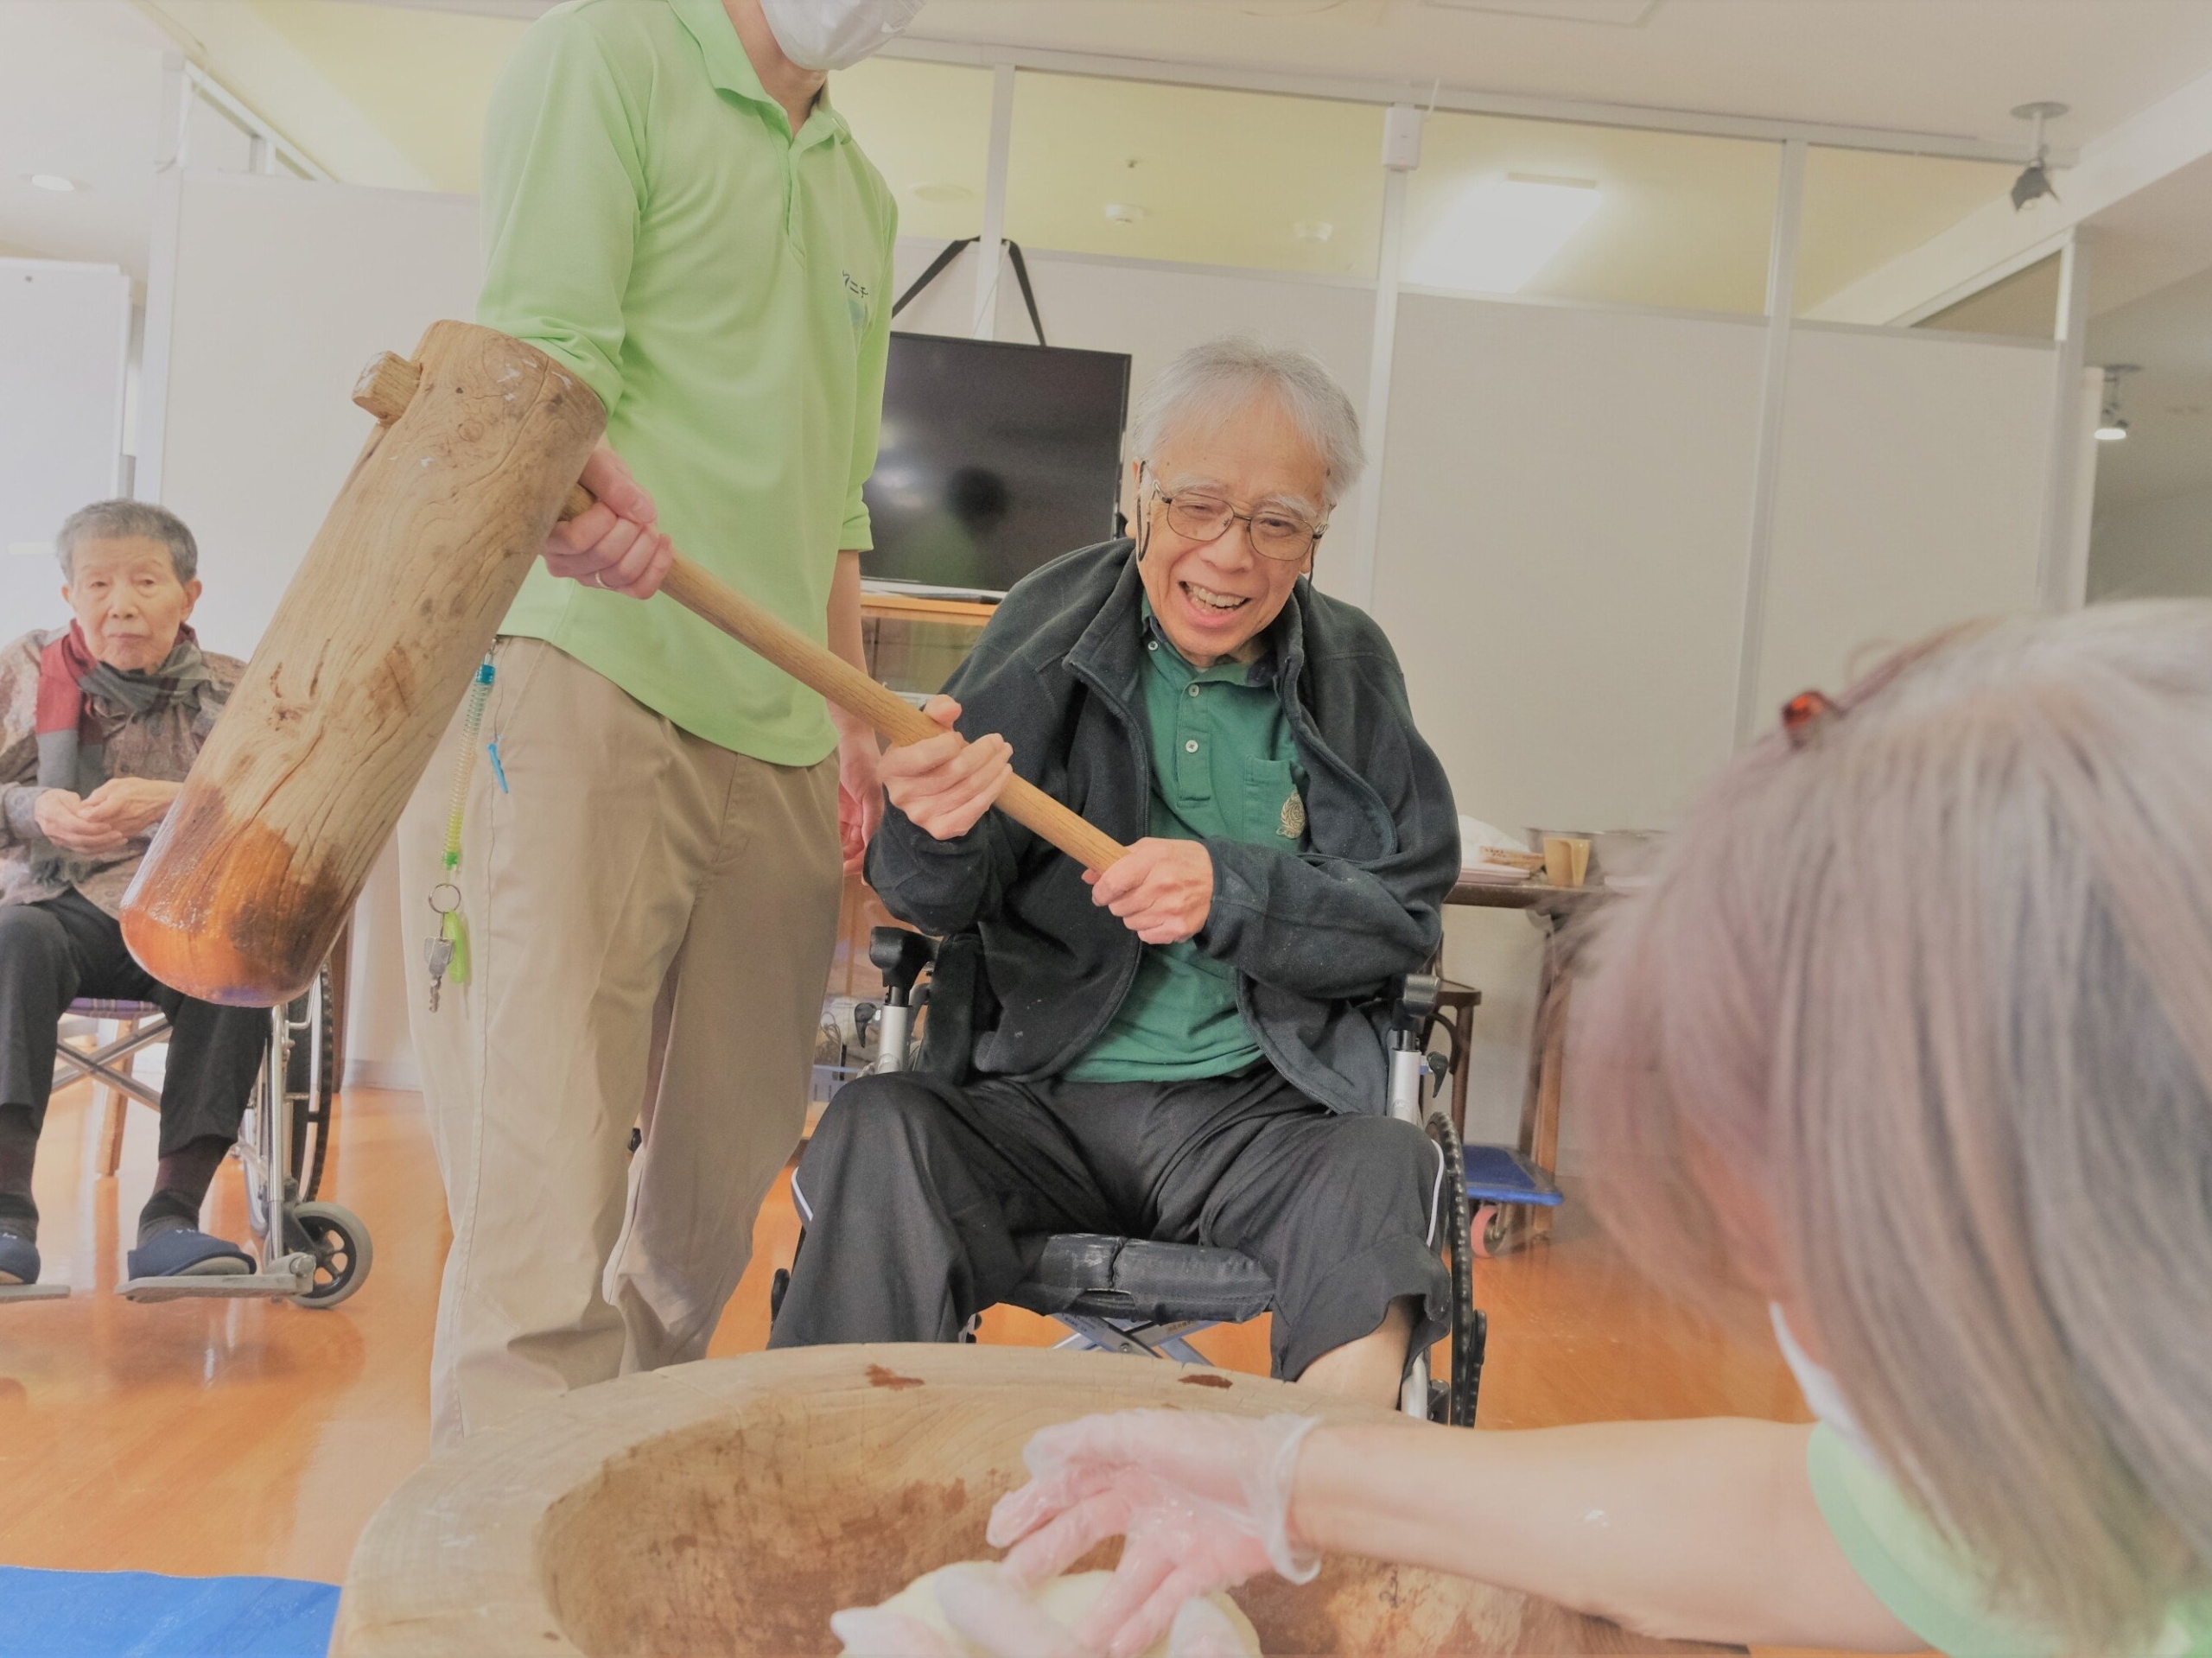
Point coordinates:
[(117, 520), (1210, 384)]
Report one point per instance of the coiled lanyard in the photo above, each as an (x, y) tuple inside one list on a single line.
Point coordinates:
[(445, 953)]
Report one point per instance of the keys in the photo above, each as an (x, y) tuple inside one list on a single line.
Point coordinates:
[(437, 956)]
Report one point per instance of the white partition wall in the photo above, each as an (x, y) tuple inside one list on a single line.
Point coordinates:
[(1562, 550), (275, 294), (1911, 495), (65, 337)]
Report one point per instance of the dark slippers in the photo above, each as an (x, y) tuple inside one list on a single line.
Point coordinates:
[(183, 1252)]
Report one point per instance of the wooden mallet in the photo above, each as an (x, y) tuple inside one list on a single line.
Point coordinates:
[(478, 441)]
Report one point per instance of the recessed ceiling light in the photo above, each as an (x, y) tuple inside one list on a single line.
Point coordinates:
[(941, 193), (1498, 236), (1123, 213), (1314, 230), (52, 181)]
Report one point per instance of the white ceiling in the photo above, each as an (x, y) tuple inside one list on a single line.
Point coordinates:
[(80, 78), (1951, 67)]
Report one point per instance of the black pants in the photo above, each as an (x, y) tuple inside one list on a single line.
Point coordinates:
[(926, 1204), (53, 952)]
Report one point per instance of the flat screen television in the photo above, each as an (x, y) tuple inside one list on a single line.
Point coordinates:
[(995, 459)]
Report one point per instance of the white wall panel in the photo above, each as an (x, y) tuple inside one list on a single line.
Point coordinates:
[(283, 290), (1910, 496), (65, 332), (1563, 516)]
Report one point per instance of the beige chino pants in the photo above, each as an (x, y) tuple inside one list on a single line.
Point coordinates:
[(650, 918)]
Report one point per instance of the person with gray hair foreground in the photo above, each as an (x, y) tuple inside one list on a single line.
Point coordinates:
[(1189, 1047), (99, 723), (1912, 1038)]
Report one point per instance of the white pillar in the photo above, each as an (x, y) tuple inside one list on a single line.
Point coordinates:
[(1401, 154), (990, 250), (2062, 569), (1781, 301)]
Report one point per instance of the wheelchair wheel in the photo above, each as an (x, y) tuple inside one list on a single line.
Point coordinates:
[(311, 1080), (334, 1235), (1453, 1402)]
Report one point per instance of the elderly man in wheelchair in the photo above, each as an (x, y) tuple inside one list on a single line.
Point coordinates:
[(99, 721), (1192, 1047)]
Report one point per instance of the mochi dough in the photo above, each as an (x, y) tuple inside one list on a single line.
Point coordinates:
[(1064, 1599)]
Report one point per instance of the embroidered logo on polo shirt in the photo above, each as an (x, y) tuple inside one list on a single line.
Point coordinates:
[(1293, 818)]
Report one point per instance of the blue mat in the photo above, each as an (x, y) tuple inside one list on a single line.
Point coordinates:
[(1498, 1174), (142, 1615)]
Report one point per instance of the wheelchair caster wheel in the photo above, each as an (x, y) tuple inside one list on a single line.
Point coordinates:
[(1490, 1233), (334, 1235)]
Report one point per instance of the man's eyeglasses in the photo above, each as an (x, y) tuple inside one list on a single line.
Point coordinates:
[(1272, 532)]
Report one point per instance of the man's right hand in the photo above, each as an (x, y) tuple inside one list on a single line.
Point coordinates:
[(61, 818), (615, 545), (946, 783)]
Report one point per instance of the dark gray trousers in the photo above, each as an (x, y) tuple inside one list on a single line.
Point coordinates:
[(924, 1203), (59, 948)]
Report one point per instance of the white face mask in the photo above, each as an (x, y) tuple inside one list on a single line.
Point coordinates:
[(1822, 1396), (835, 33)]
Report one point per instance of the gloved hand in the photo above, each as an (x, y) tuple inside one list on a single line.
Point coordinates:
[(1203, 1500)]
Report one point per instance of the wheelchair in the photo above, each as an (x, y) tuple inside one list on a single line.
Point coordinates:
[(1146, 1298), (312, 1254)]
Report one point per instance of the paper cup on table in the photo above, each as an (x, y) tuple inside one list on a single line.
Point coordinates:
[(1566, 860)]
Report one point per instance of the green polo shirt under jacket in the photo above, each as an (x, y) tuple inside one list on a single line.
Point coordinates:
[(652, 223), (1225, 767)]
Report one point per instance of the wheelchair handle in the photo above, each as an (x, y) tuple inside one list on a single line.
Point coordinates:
[(853, 691)]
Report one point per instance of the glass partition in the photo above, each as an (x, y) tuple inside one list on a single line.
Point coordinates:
[(1195, 175), (927, 127), (1864, 208), (1608, 214)]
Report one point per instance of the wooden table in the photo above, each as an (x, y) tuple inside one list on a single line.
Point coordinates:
[(1551, 908)]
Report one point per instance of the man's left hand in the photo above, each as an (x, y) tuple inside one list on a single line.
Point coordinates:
[(131, 806), (860, 795), (1162, 890)]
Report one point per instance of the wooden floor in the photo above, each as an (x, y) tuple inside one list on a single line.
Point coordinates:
[(207, 1437)]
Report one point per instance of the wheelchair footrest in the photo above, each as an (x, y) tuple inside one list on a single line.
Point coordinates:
[(224, 1286), (33, 1292), (1136, 1278)]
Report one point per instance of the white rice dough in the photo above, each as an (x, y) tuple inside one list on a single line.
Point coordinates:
[(1065, 1600)]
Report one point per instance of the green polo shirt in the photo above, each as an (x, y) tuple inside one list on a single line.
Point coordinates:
[(1930, 1588), (1224, 766), (650, 222)]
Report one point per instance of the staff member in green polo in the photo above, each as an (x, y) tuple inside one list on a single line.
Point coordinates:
[(648, 859)]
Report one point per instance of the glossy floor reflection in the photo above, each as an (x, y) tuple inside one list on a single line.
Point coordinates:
[(208, 1437)]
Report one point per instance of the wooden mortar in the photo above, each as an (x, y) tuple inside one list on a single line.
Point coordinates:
[(728, 1507)]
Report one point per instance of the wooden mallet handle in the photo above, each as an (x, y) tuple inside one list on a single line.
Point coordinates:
[(858, 694)]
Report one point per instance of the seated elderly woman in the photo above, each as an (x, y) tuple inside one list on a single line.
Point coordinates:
[(99, 723), (1912, 1038), (1189, 1047)]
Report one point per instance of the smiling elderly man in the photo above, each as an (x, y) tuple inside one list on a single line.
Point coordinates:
[(99, 723), (1190, 1047)]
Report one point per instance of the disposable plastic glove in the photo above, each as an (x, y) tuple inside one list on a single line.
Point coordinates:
[(1203, 1500)]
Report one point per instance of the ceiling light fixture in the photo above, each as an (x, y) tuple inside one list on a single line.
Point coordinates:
[(1123, 213), (2035, 183), (1498, 236), (52, 181), (1312, 232), (2112, 425)]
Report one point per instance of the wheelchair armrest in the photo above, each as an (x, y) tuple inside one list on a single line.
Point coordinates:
[(1416, 1002), (900, 954)]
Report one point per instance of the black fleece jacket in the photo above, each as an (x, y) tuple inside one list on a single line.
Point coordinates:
[(1318, 938)]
